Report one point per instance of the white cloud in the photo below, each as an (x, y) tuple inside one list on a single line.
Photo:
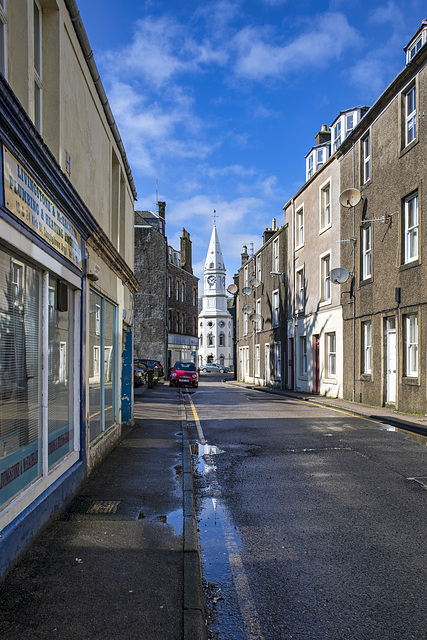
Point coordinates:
[(258, 58)]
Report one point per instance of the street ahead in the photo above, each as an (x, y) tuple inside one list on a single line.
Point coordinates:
[(311, 524)]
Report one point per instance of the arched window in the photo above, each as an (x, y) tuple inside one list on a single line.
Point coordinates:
[(222, 339), (210, 340)]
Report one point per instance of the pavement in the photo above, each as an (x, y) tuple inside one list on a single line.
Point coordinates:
[(123, 560)]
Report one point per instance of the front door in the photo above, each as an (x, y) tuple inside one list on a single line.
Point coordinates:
[(391, 360), (316, 365)]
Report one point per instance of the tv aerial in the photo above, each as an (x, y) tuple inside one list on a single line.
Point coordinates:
[(350, 198), (339, 275)]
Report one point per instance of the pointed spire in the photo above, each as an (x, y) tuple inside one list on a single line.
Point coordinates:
[(214, 259)]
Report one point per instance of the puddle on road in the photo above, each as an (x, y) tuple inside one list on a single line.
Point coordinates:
[(226, 587)]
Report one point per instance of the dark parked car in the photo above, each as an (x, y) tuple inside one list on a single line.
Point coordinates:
[(151, 364), (139, 375), (211, 366), (185, 374)]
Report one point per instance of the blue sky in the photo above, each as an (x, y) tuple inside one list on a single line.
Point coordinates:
[(218, 102)]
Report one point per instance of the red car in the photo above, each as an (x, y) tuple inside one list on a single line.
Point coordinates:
[(185, 374)]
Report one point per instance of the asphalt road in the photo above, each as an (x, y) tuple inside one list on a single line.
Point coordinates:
[(311, 524)]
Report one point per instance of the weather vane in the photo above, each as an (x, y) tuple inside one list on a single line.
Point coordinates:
[(214, 217)]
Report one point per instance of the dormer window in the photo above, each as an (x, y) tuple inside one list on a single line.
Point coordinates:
[(337, 135), (320, 158), (310, 166), (349, 123), (418, 41)]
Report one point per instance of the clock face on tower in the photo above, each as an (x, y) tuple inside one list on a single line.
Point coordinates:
[(211, 280)]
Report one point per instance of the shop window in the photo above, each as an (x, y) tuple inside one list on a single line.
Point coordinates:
[(103, 374)]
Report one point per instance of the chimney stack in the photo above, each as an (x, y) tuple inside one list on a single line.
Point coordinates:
[(244, 254), (323, 136)]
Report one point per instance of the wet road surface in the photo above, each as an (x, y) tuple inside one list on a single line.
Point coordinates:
[(311, 521)]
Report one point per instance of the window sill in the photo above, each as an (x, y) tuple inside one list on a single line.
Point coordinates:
[(409, 265), (408, 147), (325, 303), (366, 377), (411, 381), (330, 380), (323, 229), (369, 280)]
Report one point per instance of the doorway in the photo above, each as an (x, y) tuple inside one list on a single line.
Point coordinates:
[(391, 359)]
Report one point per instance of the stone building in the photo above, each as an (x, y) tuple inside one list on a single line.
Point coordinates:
[(260, 311), (384, 170), (66, 274), (150, 308), (182, 304), (215, 322)]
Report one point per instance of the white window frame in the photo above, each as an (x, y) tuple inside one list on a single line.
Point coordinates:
[(366, 150), (299, 239), (410, 115), (411, 238), (310, 165), (300, 289), (325, 205), (348, 129), (258, 268), (275, 261), (258, 310), (275, 307), (320, 158), (337, 135), (331, 354), (411, 345), (325, 277), (367, 347), (366, 251)]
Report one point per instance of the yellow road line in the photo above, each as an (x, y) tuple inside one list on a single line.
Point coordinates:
[(241, 582)]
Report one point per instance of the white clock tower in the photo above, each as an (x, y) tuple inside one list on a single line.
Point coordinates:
[(215, 322)]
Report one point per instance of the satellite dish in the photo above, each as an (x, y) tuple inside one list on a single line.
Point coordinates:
[(232, 288), (254, 282), (255, 317), (339, 275), (246, 291), (247, 308), (350, 198)]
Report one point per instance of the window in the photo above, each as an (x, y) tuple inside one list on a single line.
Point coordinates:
[(37, 24), (103, 372), (277, 361), (210, 340), (300, 301), (414, 49), (411, 345), (222, 339), (411, 228), (275, 263), (366, 252), (169, 287), (331, 351), (310, 166), (349, 123), (410, 115), (182, 292), (325, 268), (3, 38), (366, 147), (246, 276), (257, 361), (300, 228), (325, 206), (320, 158), (258, 267), (366, 347), (194, 297), (337, 135), (303, 356), (275, 314), (258, 311), (177, 290)]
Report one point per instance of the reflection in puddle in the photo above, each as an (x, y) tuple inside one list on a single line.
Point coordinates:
[(174, 519), (204, 452), (414, 437)]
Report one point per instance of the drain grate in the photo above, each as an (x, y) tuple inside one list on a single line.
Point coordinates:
[(104, 506)]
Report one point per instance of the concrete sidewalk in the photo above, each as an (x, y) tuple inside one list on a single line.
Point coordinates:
[(386, 415), (123, 561)]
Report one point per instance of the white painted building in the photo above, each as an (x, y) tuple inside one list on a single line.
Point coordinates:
[(215, 322)]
